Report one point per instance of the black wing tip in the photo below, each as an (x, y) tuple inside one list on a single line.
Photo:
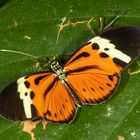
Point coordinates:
[(11, 107), (125, 38)]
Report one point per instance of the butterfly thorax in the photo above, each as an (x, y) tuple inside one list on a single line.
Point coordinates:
[(57, 69)]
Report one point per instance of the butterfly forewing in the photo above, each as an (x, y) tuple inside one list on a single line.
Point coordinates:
[(38, 85), (23, 99), (93, 71), (126, 39), (11, 107), (94, 78)]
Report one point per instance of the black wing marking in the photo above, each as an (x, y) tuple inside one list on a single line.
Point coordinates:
[(126, 39)]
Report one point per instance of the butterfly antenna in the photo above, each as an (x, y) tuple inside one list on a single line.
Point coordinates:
[(112, 22), (102, 27), (18, 52)]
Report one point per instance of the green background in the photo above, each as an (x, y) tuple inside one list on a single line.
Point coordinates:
[(39, 19)]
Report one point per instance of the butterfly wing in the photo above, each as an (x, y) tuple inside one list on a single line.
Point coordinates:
[(16, 100), (93, 71), (59, 104), (121, 43), (37, 96), (126, 39), (93, 80)]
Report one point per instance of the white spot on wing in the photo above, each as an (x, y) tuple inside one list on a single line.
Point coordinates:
[(26, 99), (113, 52)]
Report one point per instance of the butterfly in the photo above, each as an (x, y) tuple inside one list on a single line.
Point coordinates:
[(90, 76)]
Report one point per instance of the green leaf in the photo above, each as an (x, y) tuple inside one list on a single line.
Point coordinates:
[(32, 27)]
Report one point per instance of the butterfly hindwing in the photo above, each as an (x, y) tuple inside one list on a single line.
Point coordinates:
[(52, 99), (93, 85), (59, 104)]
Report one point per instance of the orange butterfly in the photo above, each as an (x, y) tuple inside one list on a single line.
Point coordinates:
[(90, 76)]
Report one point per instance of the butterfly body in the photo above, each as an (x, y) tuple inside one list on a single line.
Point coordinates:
[(58, 70), (90, 76)]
